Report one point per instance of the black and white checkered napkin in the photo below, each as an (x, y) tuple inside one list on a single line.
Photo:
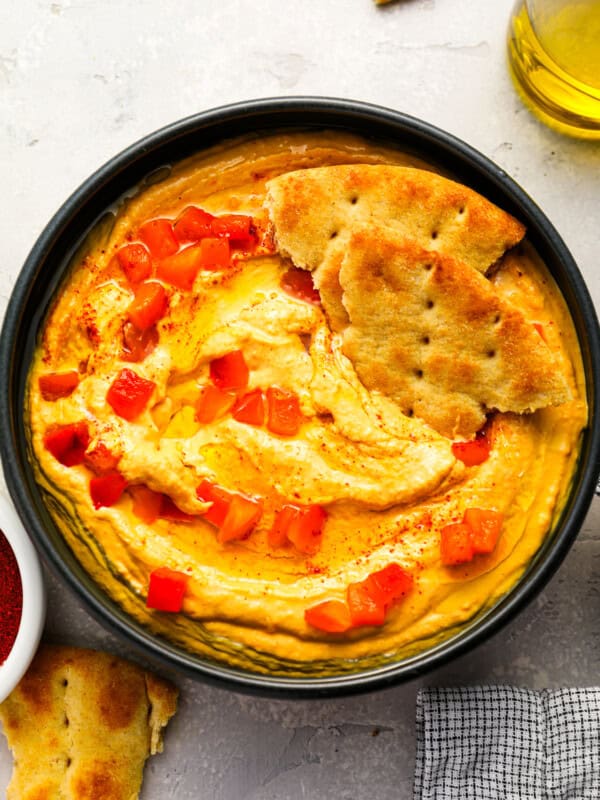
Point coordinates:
[(505, 743)]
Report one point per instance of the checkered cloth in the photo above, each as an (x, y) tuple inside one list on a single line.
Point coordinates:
[(504, 743)]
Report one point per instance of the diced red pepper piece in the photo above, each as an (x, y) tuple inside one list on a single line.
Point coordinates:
[(100, 459), (146, 503), (213, 403), (55, 385), (540, 329), (485, 526), (242, 516), (456, 546), (159, 237), (389, 584), (229, 371), (148, 306), (237, 227), (219, 497), (284, 416), (129, 394), (214, 254), (277, 535), (106, 490), (306, 528), (166, 589), (168, 510), (138, 344), (250, 408), (302, 525), (474, 452), (332, 616), (135, 261), (299, 284), (180, 269), (68, 443), (193, 224), (364, 609), (234, 514)]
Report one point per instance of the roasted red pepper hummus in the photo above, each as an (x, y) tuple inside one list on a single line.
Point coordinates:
[(259, 443)]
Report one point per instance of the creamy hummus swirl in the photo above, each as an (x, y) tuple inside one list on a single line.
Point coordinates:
[(388, 482)]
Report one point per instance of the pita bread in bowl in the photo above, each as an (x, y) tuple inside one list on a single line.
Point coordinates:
[(398, 255)]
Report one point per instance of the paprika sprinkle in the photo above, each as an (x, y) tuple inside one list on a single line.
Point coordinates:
[(11, 598)]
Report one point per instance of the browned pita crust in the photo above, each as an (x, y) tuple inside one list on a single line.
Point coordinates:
[(311, 207), (435, 336), (385, 242), (81, 724)]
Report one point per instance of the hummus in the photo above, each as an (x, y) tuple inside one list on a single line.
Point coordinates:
[(387, 483)]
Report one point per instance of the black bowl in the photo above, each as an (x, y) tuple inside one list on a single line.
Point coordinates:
[(44, 268)]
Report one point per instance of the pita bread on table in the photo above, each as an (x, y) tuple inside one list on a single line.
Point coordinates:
[(81, 725), (311, 207)]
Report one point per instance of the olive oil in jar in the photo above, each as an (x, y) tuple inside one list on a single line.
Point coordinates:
[(554, 56)]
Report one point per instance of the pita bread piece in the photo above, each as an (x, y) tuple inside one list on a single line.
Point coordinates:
[(81, 725), (434, 335), (310, 208)]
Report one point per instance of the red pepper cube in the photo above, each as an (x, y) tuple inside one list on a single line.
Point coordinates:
[(364, 609), (172, 512), (214, 254), (181, 268), (213, 403), (250, 408), (166, 589), (149, 305), (242, 516), (331, 616), (485, 526), (302, 525), (389, 584), (146, 503), (306, 528), (55, 385), (278, 534), (474, 452), (229, 371), (138, 344), (284, 416), (298, 283), (159, 237), (100, 459), (106, 490), (219, 497), (68, 443), (135, 261), (129, 394), (193, 224), (237, 227), (456, 546)]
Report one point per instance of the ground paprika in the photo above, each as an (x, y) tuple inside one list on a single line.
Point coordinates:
[(11, 598)]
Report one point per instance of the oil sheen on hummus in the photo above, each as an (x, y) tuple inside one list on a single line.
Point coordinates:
[(245, 600)]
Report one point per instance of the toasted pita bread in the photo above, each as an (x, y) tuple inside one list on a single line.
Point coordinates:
[(434, 335), (310, 208), (81, 724)]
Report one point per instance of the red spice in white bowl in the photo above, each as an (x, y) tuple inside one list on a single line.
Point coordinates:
[(11, 598), (22, 600)]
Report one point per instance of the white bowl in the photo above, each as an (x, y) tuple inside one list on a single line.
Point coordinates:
[(34, 600)]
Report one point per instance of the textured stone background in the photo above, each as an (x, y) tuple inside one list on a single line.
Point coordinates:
[(79, 81)]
